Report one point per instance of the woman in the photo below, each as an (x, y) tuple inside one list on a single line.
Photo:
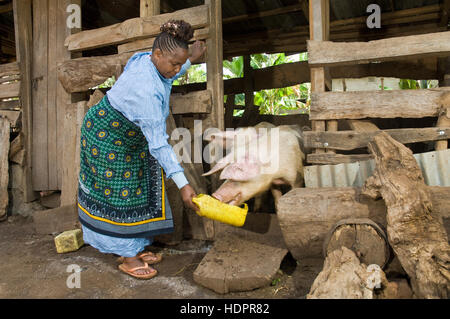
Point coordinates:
[(124, 151)]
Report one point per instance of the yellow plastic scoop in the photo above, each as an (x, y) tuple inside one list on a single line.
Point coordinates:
[(215, 209)]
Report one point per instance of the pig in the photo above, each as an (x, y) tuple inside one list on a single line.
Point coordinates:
[(265, 158)]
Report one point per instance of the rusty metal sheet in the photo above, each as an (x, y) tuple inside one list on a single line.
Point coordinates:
[(435, 167)]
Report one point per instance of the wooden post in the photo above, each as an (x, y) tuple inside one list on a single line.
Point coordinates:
[(23, 34), (319, 18), (249, 98), (150, 8), (214, 71), (214, 63)]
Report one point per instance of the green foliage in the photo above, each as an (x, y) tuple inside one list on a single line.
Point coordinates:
[(273, 101), (407, 84), (195, 74)]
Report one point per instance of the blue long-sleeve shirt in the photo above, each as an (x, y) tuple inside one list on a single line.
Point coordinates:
[(142, 95)]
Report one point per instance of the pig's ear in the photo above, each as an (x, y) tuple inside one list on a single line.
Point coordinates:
[(241, 171), (220, 165)]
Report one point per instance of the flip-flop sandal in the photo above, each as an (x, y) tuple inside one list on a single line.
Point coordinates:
[(151, 258), (132, 270)]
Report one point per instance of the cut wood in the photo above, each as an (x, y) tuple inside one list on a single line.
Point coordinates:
[(414, 226), (78, 75), (376, 104), (4, 170), (307, 214), (349, 140), (343, 277), (134, 29), (327, 53), (364, 237)]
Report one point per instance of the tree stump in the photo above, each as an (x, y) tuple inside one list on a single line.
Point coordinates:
[(364, 237), (415, 229)]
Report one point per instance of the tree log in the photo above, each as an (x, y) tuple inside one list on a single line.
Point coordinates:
[(307, 214), (415, 228), (345, 277), (364, 237)]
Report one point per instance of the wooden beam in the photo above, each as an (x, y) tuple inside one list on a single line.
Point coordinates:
[(332, 159), (8, 90), (147, 43), (262, 14), (23, 27), (382, 104), (134, 29), (326, 53), (349, 140), (194, 102)]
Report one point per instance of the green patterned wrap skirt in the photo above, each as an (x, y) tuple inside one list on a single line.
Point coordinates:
[(121, 186)]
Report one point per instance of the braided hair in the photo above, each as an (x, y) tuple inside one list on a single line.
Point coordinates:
[(174, 34)]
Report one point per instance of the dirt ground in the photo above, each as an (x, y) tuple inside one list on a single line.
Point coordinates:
[(31, 268)]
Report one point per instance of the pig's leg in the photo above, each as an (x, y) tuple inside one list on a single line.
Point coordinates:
[(276, 193)]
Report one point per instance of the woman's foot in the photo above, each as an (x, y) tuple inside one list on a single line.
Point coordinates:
[(135, 267), (147, 257)]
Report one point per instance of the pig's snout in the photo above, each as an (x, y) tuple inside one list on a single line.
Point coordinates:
[(227, 197)]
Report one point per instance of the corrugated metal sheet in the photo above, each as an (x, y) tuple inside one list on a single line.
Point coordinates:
[(435, 168)]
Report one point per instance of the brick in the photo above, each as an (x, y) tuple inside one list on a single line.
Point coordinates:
[(70, 240)]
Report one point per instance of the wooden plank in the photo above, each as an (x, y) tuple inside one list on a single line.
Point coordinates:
[(349, 140), (4, 171), (71, 152), (52, 111), (147, 43), (194, 102), (9, 90), (12, 116), (331, 159), (327, 53), (39, 95), (63, 98), (382, 104), (11, 68), (134, 29), (24, 41)]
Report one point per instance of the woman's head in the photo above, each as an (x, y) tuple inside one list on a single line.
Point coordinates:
[(170, 49)]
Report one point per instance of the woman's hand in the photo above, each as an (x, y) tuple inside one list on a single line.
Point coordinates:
[(187, 193), (197, 50)]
